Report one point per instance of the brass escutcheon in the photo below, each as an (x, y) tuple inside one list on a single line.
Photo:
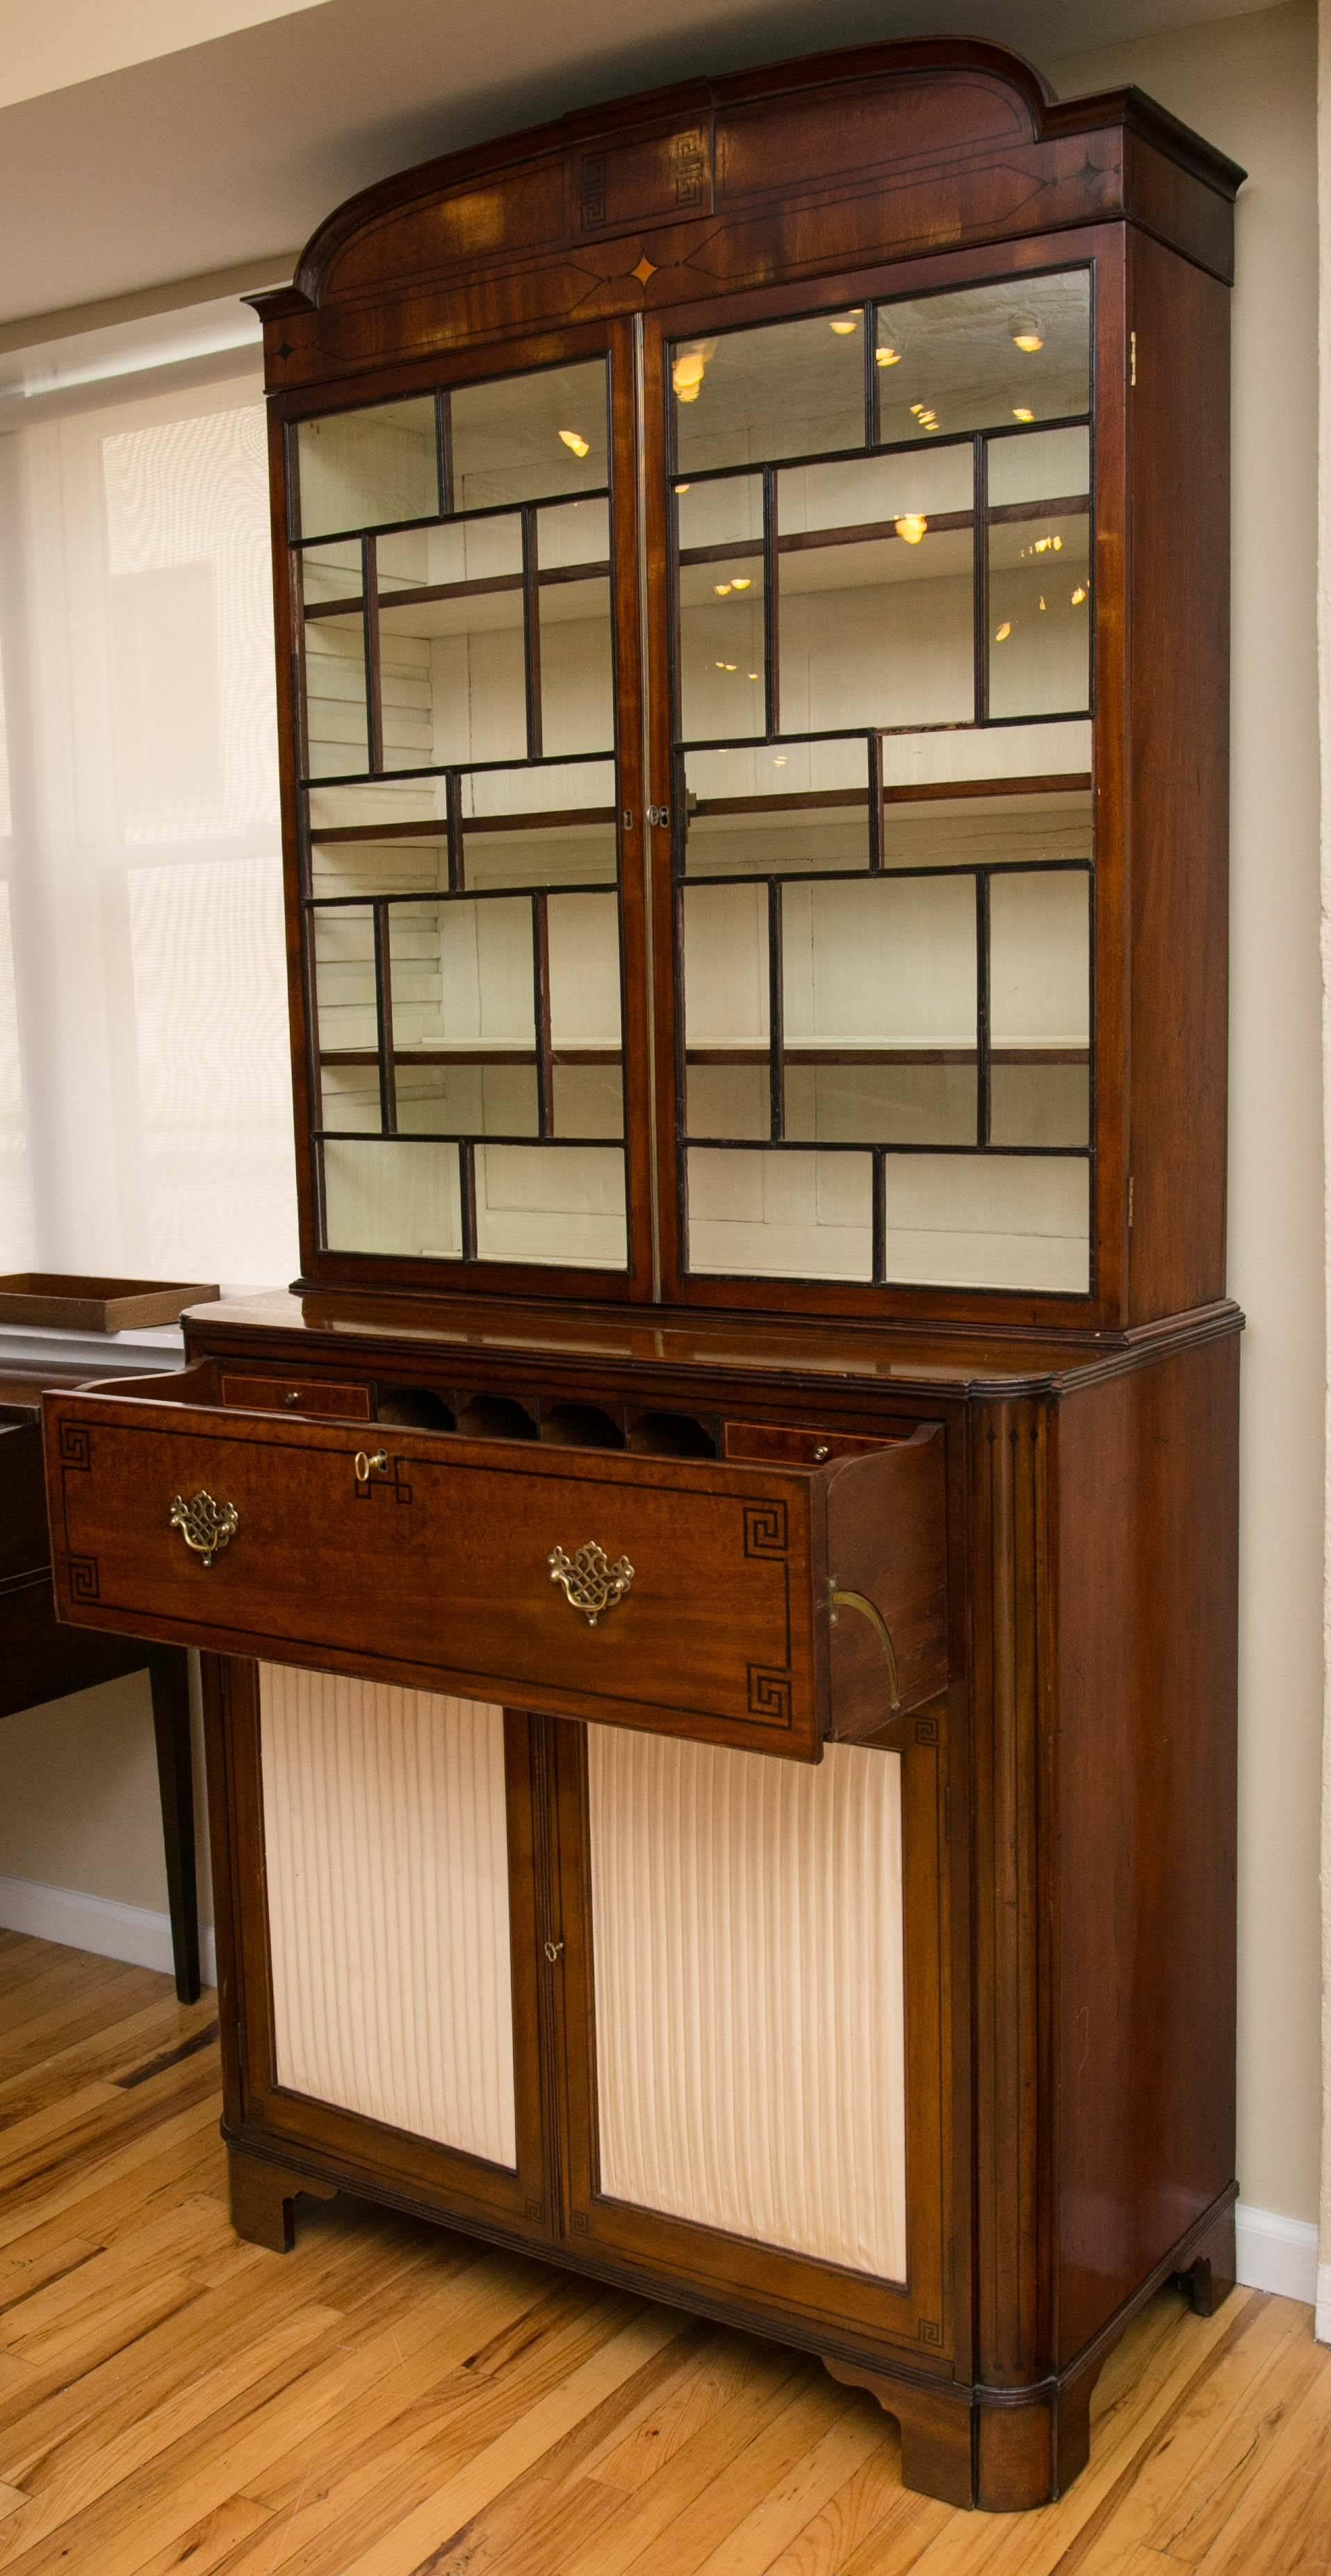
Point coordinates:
[(203, 1524), (590, 1582)]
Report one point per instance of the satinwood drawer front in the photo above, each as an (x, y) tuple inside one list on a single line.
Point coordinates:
[(690, 1597)]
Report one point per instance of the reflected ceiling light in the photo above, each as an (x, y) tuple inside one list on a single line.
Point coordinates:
[(753, 674), (1002, 632), (719, 666), (1027, 336), (844, 324), (1019, 412), (682, 487), (1047, 546), (573, 438), (887, 354), (688, 370), (1043, 601), (730, 666), (912, 527), (722, 589), (917, 408), (780, 761), (1079, 595), (745, 584)]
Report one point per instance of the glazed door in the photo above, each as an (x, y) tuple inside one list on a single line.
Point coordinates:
[(755, 2013), (873, 684), (460, 587)]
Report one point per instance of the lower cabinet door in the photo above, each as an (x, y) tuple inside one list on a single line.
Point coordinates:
[(755, 2016), (381, 1855)]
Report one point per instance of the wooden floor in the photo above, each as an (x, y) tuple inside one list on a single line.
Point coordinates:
[(390, 2400)]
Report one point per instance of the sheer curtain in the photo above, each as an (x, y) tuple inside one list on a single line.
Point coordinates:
[(145, 1121)]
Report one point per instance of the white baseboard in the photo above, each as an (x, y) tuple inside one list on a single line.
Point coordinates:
[(97, 1923), (1277, 2253)]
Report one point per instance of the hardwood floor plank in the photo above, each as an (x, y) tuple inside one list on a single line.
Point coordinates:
[(460, 2498), (393, 2399)]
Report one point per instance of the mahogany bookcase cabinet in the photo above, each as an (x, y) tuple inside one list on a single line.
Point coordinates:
[(718, 1583)]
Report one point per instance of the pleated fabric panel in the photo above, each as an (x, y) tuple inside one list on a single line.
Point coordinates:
[(749, 1992), (387, 1861)]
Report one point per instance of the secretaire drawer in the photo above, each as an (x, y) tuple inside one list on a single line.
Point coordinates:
[(761, 1606)]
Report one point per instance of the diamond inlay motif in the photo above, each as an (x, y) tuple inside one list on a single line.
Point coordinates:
[(646, 268)]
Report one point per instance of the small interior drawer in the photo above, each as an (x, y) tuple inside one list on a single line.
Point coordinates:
[(789, 1444), (326, 1398), (764, 1606)]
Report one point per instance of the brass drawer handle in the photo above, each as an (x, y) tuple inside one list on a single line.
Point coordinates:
[(203, 1524), (368, 1462), (590, 1582), (867, 1609)]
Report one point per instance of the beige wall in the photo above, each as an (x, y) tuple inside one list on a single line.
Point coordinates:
[(1250, 85), (78, 1803), (78, 1798)]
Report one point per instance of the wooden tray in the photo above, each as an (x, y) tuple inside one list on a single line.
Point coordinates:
[(66, 1299)]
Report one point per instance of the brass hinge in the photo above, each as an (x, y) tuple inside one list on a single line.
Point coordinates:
[(1132, 357)]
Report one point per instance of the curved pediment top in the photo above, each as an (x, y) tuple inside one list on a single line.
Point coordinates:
[(710, 147)]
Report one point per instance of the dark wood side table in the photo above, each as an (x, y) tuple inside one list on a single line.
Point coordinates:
[(41, 1660)]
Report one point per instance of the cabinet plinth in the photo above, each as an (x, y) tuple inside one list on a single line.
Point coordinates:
[(717, 1587)]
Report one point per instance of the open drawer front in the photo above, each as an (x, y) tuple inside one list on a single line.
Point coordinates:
[(761, 1605)]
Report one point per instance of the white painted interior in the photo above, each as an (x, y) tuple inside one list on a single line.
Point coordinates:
[(750, 2033), (387, 1866)]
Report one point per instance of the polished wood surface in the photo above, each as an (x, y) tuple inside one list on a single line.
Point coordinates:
[(391, 2399), (724, 1630), (42, 1659)]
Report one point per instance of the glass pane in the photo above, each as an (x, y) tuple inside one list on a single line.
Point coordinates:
[(588, 1099), (726, 974), (349, 1096), (363, 469), (575, 641), (907, 1103), (784, 389), (876, 571), (462, 976), (1014, 751), (382, 1196), (466, 1099), (582, 789), (544, 1203), (379, 804), (1039, 465), (331, 572), (582, 934), (729, 1100), (984, 356), (780, 1215), (1039, 1007), (344, 987), (889, 963), (721, 630), (415, 866), (988, 1221), (452, 658), (738, 823), (521, 438), (336, 720), (541, 826), (1040, 613), (971, 831), (1039, 1103)]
